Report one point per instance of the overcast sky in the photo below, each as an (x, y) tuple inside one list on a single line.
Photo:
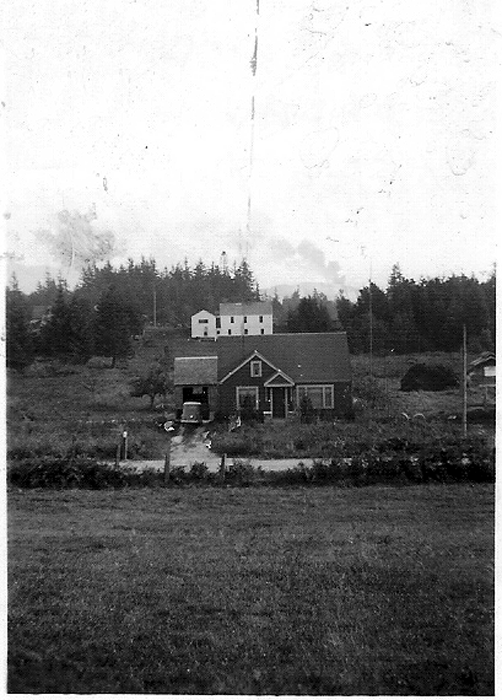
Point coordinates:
[(374, 139)]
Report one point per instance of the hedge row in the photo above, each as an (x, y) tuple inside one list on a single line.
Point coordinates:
[(54, 472), (466, 461)]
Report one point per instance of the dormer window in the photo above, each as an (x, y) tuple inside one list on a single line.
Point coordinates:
[(256, 368)]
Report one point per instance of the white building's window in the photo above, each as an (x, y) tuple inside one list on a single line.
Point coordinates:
[(203, 320), (245, 319), (256, 368), (231, 319), (261, 319), (247, 396), (320, 395), (262, 331), (229, 331), (246, 331)]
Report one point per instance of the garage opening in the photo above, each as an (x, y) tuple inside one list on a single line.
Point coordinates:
[(200, 394)]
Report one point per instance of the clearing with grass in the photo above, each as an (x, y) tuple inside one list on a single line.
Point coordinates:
[(376, 590)]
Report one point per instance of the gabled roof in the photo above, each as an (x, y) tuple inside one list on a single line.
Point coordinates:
[(310, 358), (203, 312), (195, 370), (304, 357), (484, 358), (255, 355), (251, 308), (279, 379)]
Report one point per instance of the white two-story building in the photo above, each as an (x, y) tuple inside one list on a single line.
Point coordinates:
[(248, 318)]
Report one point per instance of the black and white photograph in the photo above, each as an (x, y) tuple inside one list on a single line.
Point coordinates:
[(249, 268)]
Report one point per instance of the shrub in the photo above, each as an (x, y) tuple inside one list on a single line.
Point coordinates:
[(290, 477), (248, 411), (306, 409), (198, 472), (178, 476), (325, 473), (368, 391), (243, 474), (421, 377), (154, 382), (64, 473), (244, 442)]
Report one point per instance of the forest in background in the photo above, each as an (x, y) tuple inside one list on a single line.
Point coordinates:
[(110, 306)]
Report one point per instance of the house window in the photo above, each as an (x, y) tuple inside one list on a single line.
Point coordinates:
[(229, 331), (218, 322), (247, 397), (245, 319), (203, 320), (321, 395), (262, 331), (246, 331), (261, 319), (231, 319), (256, 368)]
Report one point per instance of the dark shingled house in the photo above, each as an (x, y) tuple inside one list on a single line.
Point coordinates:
[(270, 373)]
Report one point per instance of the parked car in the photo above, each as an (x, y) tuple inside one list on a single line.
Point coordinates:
[(192, 412)]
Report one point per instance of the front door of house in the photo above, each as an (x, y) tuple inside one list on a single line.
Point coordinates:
[(278, 402)]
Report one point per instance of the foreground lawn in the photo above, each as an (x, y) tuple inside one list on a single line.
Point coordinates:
[(327, 591)]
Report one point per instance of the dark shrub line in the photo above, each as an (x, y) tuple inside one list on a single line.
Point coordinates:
[(80, 473), (468, 460)]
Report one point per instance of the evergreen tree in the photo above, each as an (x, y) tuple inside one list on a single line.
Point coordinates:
[(55, 333), (403, 333), (19, 343), (311, 316), (81, 316), (112, 327)]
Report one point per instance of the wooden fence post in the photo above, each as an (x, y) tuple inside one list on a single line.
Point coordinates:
[(124, 438), (223, 467), (167, 466)]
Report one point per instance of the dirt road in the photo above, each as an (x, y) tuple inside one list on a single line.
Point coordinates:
[(191, 445)]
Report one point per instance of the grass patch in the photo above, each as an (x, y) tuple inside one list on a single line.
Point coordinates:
[(83, 413), (252, 591)]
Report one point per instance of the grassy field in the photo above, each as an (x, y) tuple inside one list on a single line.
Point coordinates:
[(252, 591)]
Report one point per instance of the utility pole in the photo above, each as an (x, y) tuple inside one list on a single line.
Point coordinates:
[(464, 381), (371, 318)]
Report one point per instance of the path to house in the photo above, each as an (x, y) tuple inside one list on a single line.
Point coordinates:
[(192, 446)]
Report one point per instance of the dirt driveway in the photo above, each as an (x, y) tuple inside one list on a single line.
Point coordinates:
[(192, 445)]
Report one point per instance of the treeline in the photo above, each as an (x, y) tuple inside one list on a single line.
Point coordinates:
[(406, 317), (422, 316), (110, 306)]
